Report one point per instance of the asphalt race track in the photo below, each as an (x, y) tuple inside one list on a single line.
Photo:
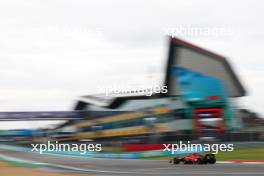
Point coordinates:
[(137, 167)]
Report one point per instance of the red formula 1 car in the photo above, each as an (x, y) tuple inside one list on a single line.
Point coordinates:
[(195, 159)]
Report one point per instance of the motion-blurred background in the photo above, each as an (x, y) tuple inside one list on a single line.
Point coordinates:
[(59, 56)]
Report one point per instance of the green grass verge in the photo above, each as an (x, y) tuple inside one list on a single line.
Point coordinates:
[(242, 154)]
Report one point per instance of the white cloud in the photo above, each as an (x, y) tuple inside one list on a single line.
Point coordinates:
[(53, 51)]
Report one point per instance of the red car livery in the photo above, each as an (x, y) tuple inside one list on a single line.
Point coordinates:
[(195, 158)]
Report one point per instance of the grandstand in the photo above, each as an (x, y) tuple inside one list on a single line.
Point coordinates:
[(162, 115)]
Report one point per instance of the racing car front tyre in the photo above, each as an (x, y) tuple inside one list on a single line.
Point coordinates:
[(175, 161)]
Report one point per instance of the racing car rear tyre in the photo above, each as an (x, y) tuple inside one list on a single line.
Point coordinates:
[(211, 159)]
